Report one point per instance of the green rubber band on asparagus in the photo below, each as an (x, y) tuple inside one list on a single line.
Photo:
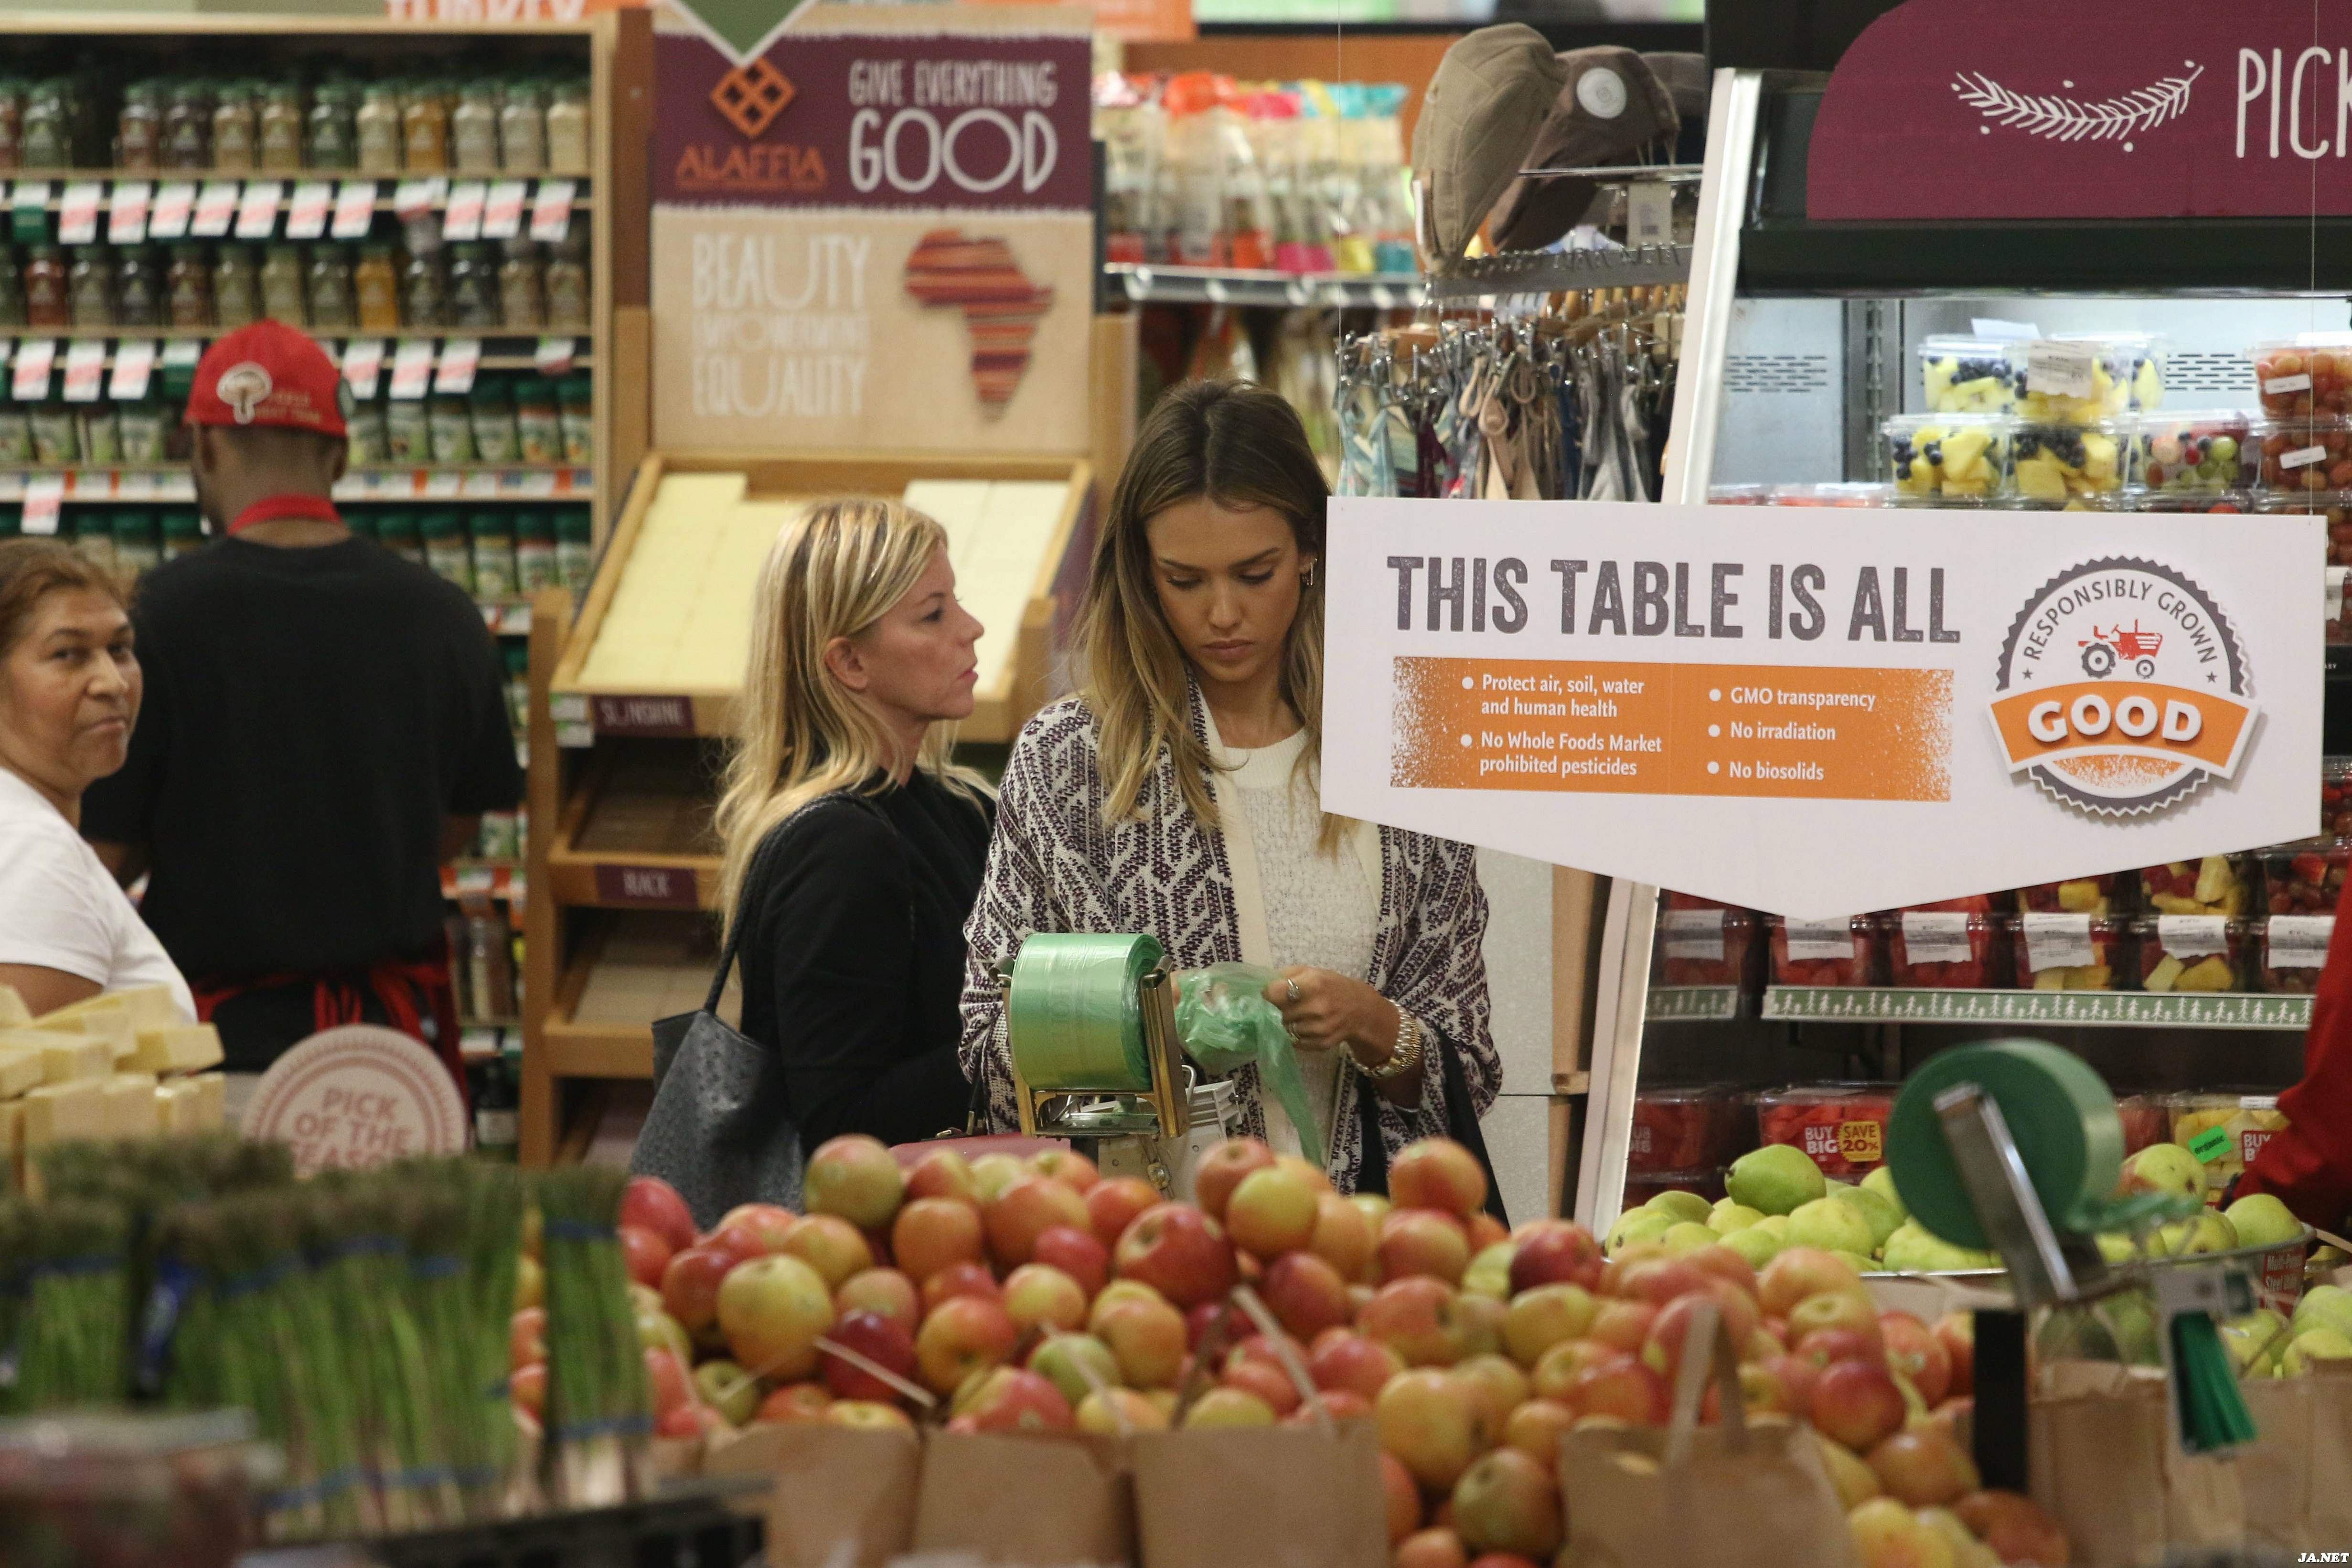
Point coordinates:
[(1075, 1019)]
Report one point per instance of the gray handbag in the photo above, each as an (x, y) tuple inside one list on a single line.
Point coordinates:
[(720, 1127)]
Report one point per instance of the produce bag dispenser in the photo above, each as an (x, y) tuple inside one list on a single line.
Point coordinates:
[(1090, 1020)]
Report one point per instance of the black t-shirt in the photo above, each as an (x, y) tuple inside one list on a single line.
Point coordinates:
[(312, 716), (852, 958)]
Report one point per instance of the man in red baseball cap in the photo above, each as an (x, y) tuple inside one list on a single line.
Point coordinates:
[(324, 724)]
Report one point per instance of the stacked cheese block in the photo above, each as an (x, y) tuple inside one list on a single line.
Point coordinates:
[(122, 1064)]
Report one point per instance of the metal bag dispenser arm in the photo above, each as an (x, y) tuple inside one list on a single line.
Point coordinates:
[(2015, 1145)]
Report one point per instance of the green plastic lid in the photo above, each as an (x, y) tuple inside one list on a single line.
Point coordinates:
[(491, 525), (572, 526), (440, 525), (2060, 1114), (535, 526)]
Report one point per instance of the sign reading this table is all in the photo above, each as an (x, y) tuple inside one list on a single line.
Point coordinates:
[(1837, 711)]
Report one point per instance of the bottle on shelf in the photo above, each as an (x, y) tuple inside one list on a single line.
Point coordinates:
[(489, 966), (188, 127), (535, 559), (12, 123), (474, 128), (236, 128), (522, 130), (576, 550), (139, 287), (492, 417), (138, 128), (377, 125), (493, 556), (568, 127), (498, 1105), (278, 144), (446, 550)]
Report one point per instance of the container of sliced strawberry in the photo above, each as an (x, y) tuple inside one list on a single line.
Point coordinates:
[(2304, 878), (1841, 951), (2335, 796), (1703, 946), (1946, 950), (1842, 1126), (2294, 952)]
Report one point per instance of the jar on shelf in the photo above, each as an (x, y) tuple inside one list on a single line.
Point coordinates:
[(57, 441), (425, 129), (188, 127), (575, 548), (278, 141), (101, 430), (183, 534), (494, 556), (138, 128), (474, 128), (188, 288), (138, 285), (535, 563), (236, 128), (375, 289), (566, 285), (567, 127), (48, 301), (492, 412), (473, 287), (90, 287), (369, 443), (452, 421), (445, 550), (328, 288), (46, 139), (282, 292), (330, 134), (423, 291), (522, 130), (12, 288), (522, 287), (12, 123), (539, 428), (376, 126), (236, 287), (146, 431), (407, 431), (15, 435), (137, 547), (576, 406)]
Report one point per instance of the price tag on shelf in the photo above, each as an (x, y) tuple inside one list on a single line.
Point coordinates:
[(516, 621), (475, 878), (2061, 369), (77, 213), (2279, 386), (134, 363), (85, 366), (1935, 937), (44, 495), (1820, 939), (29, 373), (355, 208), (442, 485), (462, 219), (2057, 941), (363, 365), (2301, 456), (175, 202), (256, 210), (306, 215), (460, 357), (479, 487), (536, 484), (555, 355), (503, 209), (1692, 933), (29, 211), (131, 485), (550, 210), (215, 208), (182, 353), (126, 212), (1649, 213), (2298, 941), (412, 369), (572, 737), (412, 199), (2192, 936)]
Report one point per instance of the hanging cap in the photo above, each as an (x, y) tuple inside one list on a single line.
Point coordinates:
[(271, 374), (1478, 119), (1611, 108)]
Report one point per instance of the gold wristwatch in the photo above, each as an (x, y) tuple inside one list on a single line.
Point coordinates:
[(1407, 1055)]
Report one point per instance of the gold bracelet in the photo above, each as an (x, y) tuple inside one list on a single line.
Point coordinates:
[(1405, 1057)]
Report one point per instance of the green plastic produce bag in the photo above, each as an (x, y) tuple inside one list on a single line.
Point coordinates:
[(1223, 1019)]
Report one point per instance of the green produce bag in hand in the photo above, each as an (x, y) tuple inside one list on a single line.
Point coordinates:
[(1223, 1019)]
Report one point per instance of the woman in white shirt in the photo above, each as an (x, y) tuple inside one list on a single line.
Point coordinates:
[(1177, 794), (69, 688)]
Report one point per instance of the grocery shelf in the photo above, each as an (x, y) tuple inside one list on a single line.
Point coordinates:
[(2110, 1009), (289, 177), (1701, 1004), (428, 482), (1145, 284), (1555, 271), (329, 334), (632, 880)]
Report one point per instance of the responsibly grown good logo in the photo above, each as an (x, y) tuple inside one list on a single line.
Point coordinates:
[(2122, 688)]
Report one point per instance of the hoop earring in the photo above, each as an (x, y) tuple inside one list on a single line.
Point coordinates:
[(1307, 578)]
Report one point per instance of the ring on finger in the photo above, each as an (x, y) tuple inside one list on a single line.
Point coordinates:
[(1294, 991)]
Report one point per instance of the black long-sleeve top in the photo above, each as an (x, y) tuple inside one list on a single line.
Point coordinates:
[(853, 959)]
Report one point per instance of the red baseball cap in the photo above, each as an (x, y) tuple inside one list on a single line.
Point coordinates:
[(268, 373)]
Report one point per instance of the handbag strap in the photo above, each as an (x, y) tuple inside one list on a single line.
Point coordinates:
[(1461, 1125), (769, 848)]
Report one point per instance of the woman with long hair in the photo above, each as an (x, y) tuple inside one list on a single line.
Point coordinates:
[(853, 844), (1177, 794)]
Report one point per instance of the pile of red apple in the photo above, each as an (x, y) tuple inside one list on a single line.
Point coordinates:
[(1002, 1294)]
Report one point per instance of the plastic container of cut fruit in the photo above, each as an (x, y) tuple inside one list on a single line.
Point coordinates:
[(2332, 506), (2083, 378), (2190, 454), (1946, 950), (2191, 953), (2106, 894), (2250, 1118), (1945, 457), (2225, 503), (2146, 1118), (1843, 493), (1842, 1126), (2070, 952), (2304, 878), (1738, 495), (144, 1489), (1703, 946), (2311, 373), (1700, 1128), (2060, 462), (2335, 796), (2301, 456), (1967, 375), (1641, 1187), (2216, 885), (1841, 951), (2292, 950)]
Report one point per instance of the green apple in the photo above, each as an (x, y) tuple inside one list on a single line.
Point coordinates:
[(1833, 1225), (2165, 1167), (1682, 1206), (1882, 1182), (2264, 1221), (1756, 1244), (1727, 1217), (1638, 1225), (2117, 1246), (1883, 1216), (1689, 1236), (1916, 1249), (2255, 1342), (2325, 1306), (2315, 1344), (1778, 1178)]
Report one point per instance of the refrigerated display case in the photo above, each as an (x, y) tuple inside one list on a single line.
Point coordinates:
[(1888, 363)]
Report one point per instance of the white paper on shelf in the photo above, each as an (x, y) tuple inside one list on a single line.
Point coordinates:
[(2298, 941), (441, 485), (133, 485), (134, 365), (126, 212), (355, 208), (1935, 937), (2192, 936), (1820, 939), (31, 197), (550, 210), (257, 209), (215, 208), (183, 353), (2301, 456), (85, 369), (2058, 941), (502, 206), (78, 211), (44, 495), (363, 365), (479, 487), (412, 369), (1692, 933), (2061, 369), (412, 199), (459, 359), (555, 355), (306, 215), (175, 201), (2278, 385), (28, 375), (462, 219)]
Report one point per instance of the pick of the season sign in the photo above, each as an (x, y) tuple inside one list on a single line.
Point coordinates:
[(1817, 712)]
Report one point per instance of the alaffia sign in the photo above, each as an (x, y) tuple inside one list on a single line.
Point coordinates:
[(872, 227), (1844, 711), (1988, 109)]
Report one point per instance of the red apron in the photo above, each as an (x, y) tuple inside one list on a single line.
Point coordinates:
[(339, 999)]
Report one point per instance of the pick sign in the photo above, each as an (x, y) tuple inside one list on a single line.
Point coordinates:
[(358, 1096)]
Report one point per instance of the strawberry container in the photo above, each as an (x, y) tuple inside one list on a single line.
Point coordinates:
[(2302, 457), (1946, 950), (1841, 951), (2058, 462), (1842, 1126), (2084, 379), (2194, 454), (1968, 375), (2216, 885), (1945, 457), (2292, 949), (2070, 952), (2304, 878), (2103, 894), (1841, 493), (1703, 946), (2306, 375), (2335, 796), (1689, 1129), (1641, 1187), (2192, 952), (2146, 1118)]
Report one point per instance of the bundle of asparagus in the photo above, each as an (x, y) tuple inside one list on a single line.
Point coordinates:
[(599, 1408)]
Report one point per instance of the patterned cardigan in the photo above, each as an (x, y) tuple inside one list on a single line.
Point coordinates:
[(1054, 864)]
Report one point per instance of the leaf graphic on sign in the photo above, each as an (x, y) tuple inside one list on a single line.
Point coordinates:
[(740, 29), (2069, 119)]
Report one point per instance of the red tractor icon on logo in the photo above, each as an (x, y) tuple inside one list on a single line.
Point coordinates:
[(2115, 645)]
